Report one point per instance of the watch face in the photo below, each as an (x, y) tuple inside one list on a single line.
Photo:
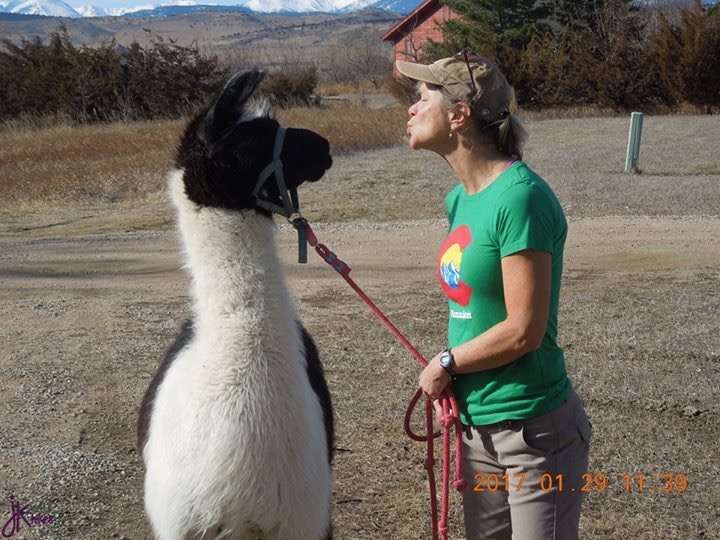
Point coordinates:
[(445, 359)]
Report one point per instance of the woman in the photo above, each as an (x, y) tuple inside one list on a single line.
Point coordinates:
[(526, 436)]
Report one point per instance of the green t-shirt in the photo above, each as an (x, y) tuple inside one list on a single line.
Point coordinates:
[(515, 212)]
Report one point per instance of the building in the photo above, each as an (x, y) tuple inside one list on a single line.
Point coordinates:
[(410, 34)]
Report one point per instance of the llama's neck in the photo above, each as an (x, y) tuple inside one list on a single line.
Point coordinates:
[(237, 276)]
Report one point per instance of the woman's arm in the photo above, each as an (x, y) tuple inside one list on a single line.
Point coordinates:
[(526, 288)]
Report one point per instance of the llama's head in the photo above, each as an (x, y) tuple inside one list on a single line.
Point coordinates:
[(229, 143)]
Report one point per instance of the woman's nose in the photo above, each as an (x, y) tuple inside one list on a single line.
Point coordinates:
[(411, 110)]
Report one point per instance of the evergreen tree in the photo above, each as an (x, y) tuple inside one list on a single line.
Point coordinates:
[(563, 15), (492, 26), (489, 25)]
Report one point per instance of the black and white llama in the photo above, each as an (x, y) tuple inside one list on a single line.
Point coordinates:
[(236, 427)]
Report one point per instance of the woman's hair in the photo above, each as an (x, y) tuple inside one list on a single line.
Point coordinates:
[(506, 131)]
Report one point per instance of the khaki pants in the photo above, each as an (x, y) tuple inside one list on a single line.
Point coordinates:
[(525, 476)]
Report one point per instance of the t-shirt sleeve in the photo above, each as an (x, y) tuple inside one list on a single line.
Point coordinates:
[(525, 220)]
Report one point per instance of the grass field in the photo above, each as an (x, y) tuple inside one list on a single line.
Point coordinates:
[(92, 293), (122, 162)]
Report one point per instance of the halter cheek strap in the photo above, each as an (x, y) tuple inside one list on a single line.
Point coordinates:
[(290, 203), (288, 197)]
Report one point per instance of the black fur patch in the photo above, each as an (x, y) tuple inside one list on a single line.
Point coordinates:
[(227, 179), (222, 152), (143, 424), (319, 385)]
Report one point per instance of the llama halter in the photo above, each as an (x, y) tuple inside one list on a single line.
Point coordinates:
[(287, 196), (290, 203)]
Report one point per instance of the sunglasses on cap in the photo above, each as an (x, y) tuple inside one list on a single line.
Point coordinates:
[(464, 52)]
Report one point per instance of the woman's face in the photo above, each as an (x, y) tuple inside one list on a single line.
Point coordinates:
[(429, 125)]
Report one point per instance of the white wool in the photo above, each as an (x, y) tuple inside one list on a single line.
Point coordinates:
[(236, 435), (257, 107)]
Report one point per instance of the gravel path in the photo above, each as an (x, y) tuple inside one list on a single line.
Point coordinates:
[(86, 319)]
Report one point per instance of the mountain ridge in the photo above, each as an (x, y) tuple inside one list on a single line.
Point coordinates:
[(59, 8)]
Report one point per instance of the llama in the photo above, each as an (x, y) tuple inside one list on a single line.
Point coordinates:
[(236, 427)]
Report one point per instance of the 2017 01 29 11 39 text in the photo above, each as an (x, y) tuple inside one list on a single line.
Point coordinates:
[(638, 482)]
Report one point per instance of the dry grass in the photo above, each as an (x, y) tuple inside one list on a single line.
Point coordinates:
[(125, 164), (592, 111), (91, 164), (53, 162), (351, 127), (355, 87)]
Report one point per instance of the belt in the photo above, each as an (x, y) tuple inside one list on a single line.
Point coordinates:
[(499, 426), (509, 424)]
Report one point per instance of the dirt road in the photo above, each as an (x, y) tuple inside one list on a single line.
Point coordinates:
[(86, 318)]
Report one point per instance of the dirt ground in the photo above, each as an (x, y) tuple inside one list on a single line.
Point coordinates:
[(90, 303)]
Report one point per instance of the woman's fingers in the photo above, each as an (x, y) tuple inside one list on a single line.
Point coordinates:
[(438, 409)]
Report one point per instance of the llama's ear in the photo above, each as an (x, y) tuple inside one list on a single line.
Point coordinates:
[(228, 106)]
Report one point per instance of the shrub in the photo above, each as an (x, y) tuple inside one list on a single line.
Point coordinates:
[(166, 80), (552, 71), (624, 70), (291, 88), (402, 89), (700, 38), (620, 57), (103, 83)]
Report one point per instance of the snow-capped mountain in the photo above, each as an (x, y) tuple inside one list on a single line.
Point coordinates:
[(50, 8), (292, 6), (58, 8), (91, 11), (353, 5), (119, 12), (289, 6), (328, 6)]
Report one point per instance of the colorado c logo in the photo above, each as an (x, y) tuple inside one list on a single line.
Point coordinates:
[(450, 262)]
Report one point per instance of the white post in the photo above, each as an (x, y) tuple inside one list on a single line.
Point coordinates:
[(633, 147)]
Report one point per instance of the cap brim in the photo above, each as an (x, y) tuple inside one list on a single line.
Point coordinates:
[(418, 72)]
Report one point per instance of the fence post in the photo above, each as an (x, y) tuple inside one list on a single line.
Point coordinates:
[(633, 147)]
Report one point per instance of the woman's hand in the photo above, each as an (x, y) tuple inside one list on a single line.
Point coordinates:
[(434, 379)]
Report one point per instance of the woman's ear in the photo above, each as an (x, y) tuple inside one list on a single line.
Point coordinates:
[(460, 116)]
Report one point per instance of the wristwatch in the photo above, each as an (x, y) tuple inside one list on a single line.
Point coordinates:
[(447, 361)]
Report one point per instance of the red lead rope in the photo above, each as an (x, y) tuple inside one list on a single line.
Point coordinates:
[(449, 415)]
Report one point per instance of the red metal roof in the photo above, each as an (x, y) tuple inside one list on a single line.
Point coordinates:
[(425, 8)]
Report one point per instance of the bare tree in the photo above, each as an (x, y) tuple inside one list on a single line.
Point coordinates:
[(370, 60)]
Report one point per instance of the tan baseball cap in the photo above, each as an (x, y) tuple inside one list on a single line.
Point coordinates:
[(490, 89)]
